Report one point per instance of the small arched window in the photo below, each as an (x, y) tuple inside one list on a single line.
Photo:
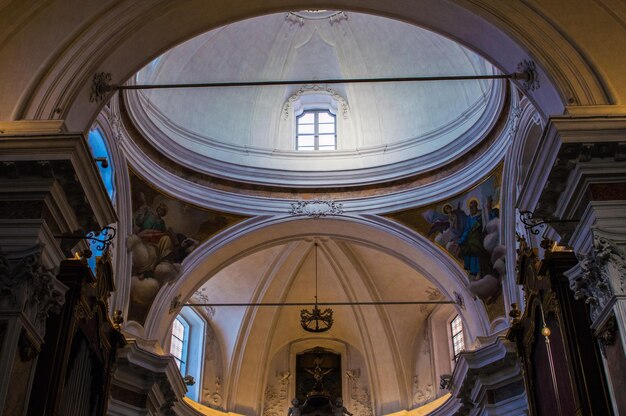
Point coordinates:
[(187, 348), (458, 342), (316, 130)]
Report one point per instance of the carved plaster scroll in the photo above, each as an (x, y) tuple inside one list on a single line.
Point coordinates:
[(276, 395), (316, 89), (214, 398), (316, 208), (422, 394), (360, 397)]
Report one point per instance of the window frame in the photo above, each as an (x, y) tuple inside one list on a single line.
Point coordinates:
[(460, 334), (193, 349), (316, 130), (182, 360)]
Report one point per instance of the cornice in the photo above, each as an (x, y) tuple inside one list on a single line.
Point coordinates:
[(258, 200), (183, 158)]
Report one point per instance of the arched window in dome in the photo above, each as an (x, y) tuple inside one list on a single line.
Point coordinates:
[(316, 130), (187, 348)]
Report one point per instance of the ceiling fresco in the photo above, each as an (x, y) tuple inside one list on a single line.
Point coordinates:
[(467, 227), (165, 231)]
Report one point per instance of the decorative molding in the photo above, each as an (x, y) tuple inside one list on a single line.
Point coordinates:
[(316, 208), (602, 275), (201, 297), (276, 399), (214, 398), (100, 87), (421, 395), (200, 190), (606, 334), (529, 76), (459, 300), (176, 304), (361, 401), (32, 126), (26, 279), (302, 16), (316, 89)]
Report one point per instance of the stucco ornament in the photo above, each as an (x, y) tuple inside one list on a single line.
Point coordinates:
[(360, 397), (601, 277), (316, 208), (422, 393), (26, 279), (276, 395), (342, 104)]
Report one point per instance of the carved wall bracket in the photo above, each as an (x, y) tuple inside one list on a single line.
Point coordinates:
[(531, 222)]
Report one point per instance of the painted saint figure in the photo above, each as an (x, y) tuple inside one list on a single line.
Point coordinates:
[(475, 257)]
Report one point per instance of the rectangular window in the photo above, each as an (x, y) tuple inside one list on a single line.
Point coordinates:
[(316, 130), (458, 343), (178, 344)]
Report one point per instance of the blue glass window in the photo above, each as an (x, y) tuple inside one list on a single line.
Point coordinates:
[(99, 149)]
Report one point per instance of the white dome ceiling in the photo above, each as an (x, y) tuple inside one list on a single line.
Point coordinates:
[(385, 130)]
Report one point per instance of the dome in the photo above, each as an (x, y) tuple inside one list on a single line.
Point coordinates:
[(384, 131)]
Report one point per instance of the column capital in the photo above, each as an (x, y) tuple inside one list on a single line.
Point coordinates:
[(28, 287)]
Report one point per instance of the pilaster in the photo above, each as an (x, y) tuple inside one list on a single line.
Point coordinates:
[(29, 292), (49, 187)]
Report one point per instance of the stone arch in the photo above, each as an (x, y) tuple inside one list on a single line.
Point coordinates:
[(122, 38), (415, 250)]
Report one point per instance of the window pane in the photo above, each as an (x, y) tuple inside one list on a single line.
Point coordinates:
[(306, 129), (327, 140), (306, 118), (456, 327), (306, 141), (326, 118), (178, 330), (327, 128), (306, 148)]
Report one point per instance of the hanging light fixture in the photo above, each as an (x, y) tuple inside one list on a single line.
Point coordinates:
[(316, 320)]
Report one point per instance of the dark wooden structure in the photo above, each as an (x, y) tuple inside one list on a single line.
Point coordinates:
[(74, 366), (561, 357)]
